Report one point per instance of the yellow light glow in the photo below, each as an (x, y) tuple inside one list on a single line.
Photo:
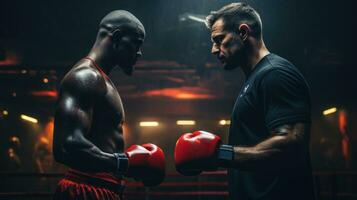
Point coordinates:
[(5, 112), (45, 80), (148, 123), (185, 122), (14, 139), (329, 111), (224, 122), (28, 118)]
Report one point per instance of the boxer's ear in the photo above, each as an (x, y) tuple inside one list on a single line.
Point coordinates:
[(116, 35), (244, 31), (117, 38)]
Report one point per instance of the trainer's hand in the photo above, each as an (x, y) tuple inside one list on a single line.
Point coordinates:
[(196, 152), (146, 163)]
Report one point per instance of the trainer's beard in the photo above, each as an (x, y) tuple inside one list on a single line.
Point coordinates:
[(235, 60), (229, 65)]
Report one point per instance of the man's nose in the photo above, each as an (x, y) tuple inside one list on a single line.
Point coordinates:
[(139, 54), (214, 49)]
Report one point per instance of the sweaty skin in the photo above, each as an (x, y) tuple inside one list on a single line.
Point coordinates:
[(89, 113), (88, 120)]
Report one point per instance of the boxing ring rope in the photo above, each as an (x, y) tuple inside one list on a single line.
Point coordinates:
[(176, 188)]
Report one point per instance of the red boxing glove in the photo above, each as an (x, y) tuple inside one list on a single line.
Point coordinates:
[(196, 152), (146, 163)]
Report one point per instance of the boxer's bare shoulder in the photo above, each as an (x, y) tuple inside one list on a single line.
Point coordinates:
[(85, 80)]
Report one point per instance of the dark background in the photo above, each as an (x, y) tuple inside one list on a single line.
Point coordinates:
[(177, 78)]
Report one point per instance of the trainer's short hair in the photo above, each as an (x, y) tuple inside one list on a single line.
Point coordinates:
[(235, 14)]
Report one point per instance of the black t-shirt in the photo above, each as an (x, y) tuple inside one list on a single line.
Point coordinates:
[(275, 93)]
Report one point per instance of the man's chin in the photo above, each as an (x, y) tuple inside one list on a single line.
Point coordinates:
[(227, 66)]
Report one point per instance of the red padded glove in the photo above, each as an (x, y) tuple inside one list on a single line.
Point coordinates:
[(196, 152), (146, 163)]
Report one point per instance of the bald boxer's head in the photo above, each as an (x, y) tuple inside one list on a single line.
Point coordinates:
[(124, 35), (235, 30)]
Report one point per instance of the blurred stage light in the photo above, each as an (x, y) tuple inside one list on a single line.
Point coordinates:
[(329, 111), (45, 80), (5, 112), (149, 124), (224, 122), (193, 17), (14, 139), (197, 19), (185, 122), (29, 119), (184, 93), (44, 93)]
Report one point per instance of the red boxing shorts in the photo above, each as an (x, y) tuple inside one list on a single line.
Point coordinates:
[(84, 186)]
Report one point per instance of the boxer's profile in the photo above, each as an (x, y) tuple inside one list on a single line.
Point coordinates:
[(88, 135)]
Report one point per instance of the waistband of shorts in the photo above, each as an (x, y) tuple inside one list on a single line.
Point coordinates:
[(104, 180)]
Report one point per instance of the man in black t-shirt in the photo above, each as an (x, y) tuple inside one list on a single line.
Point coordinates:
[(268, 152)]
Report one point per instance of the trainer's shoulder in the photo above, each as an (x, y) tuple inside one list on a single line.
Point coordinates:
[(280, 71), (83, 78), (279, 65)]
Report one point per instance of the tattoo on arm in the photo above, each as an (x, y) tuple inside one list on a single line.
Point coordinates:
[(282, 130)]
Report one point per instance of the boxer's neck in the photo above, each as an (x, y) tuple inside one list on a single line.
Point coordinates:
[(101, 54), (101, 61)]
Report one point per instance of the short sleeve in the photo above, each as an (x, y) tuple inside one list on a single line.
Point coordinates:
[(284, 95)]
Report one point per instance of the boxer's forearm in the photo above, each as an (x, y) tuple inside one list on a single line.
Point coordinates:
[(275, 153), (85, 156)]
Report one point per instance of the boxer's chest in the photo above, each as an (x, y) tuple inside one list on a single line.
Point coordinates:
[(109, 108)]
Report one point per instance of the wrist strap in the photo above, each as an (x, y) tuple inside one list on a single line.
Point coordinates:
[(225, 155), (122, 163)]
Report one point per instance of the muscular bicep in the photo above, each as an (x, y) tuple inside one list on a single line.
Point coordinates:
[(79, 91), (72, 121), (74, 109), (74, 112)]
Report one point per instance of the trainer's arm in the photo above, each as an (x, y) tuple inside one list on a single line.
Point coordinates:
[(73, 120), (287, 145), (285, 102)]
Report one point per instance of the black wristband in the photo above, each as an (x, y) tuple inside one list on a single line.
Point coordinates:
[(122, 163), (225, 155)]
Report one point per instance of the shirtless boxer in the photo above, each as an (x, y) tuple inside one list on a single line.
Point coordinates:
[(88, 135)]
